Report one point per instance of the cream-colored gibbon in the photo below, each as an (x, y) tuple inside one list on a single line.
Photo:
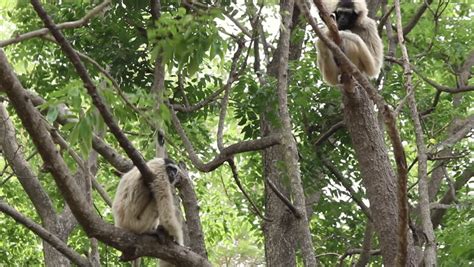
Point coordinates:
[(140, 210), (360, 40)]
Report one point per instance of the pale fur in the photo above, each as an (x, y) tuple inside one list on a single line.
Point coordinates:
[(137, 209), (361, 44)]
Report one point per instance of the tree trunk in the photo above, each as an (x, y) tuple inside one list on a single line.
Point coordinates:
[(378, 176), (287, 231)]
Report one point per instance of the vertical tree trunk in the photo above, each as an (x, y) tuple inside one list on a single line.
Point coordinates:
[(286, 232), (378, 176)]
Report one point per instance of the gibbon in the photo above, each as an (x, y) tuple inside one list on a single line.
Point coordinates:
[(360, 40), (140, 210)]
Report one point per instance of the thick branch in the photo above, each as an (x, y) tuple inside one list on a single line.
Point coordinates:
[(44, 234), (191, 211), (65, 25), (366, 245), (290, 151), (28, 179)]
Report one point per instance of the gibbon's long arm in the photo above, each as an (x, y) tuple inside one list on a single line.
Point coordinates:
[(327, 65), (354, 48), (358, 52)]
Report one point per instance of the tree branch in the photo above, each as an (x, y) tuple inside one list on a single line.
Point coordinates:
[(226, 153), (227, 89), (65, 25), (191, 211), (418, 14), (235, 174), (134, 155), (437, 215), (324, 136), (430, 249), (366, 245), (94, 226), (52, 239), (347, 185), (283, 199)]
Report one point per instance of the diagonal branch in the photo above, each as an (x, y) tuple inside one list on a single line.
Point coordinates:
[(418, 14), (283, 198), (49, 237), (323, 137), (97, 100), (235, 174), (226, 153), (347, 185), (65, 25)]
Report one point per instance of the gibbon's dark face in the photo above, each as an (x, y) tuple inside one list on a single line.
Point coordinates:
[(346, 16), (172, 171)]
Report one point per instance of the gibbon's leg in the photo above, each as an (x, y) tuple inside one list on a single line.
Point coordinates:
[(357, 51), (327, 65)]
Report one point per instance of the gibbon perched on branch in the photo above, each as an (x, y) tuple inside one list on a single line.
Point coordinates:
[(360, 40), (140, 210)]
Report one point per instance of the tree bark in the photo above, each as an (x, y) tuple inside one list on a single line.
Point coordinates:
[(286, 231), (378, 176)]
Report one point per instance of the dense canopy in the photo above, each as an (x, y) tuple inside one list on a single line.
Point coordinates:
[(279, 168)]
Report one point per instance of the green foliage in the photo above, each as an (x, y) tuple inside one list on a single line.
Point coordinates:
[(455, 239), (185, 40), (197, 54)]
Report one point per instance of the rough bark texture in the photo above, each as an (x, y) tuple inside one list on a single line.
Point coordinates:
[(378, 176), (424, 203), (285, 232)]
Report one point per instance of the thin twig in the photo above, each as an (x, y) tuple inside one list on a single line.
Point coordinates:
[(283, 198), (347, 185), (235, 174), (227, 90), (324, 136)]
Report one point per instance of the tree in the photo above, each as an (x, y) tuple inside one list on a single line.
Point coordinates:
[(317, 175)]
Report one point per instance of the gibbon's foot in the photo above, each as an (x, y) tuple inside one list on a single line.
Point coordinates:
[(128, 255), (162, 235)]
